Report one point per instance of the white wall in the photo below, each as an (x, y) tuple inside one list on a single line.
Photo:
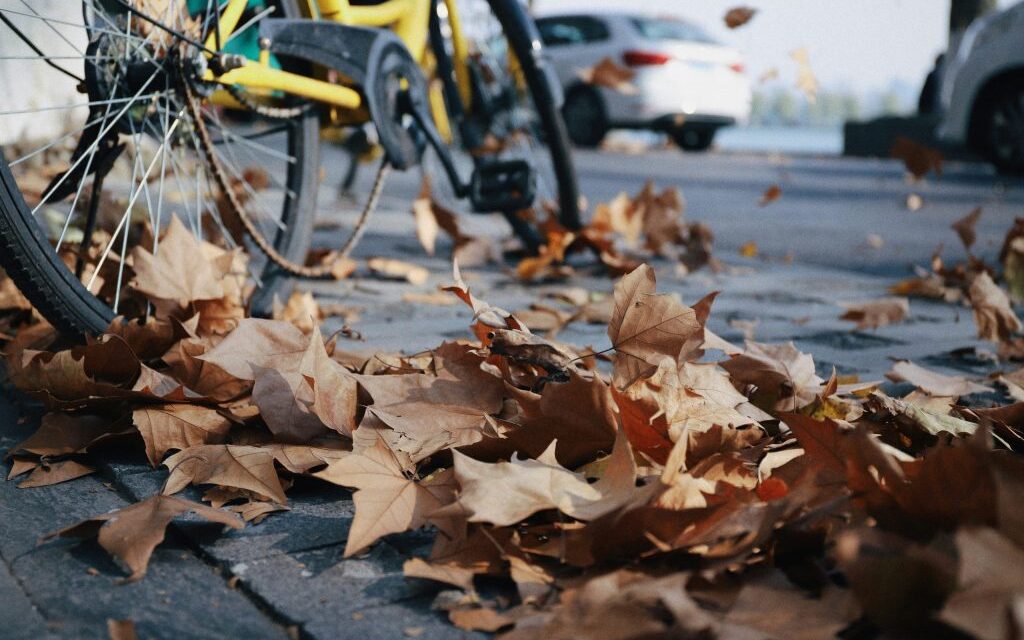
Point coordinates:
[(32, 84)]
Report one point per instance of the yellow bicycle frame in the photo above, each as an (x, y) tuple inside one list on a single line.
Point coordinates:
[(409, 19)]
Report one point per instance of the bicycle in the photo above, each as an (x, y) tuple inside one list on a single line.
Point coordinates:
[(212, 112)]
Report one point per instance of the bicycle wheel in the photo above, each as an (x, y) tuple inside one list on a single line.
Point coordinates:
[(504, 107), (99, 149)]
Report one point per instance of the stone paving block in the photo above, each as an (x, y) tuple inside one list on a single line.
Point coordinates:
[(19, 618), (181, 596), (320, 516)]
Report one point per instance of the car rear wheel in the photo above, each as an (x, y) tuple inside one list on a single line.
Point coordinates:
[(584, 116), (693, 138), (1002, 128)]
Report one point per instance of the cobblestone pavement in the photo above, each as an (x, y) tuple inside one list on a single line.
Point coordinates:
[(286, 577)]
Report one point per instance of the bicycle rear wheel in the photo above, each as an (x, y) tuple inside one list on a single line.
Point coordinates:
[(505, 107), (99, 150)]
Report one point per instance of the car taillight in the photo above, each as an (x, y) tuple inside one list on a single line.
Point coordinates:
[(737, 67), (644, 58)]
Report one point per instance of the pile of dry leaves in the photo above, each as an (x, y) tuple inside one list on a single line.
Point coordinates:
[(683, 488)]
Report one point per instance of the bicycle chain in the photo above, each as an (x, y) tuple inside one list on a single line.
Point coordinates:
[(237, 208), (273, 113)]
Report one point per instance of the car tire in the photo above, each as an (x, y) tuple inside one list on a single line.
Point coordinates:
[(585, 118), (693, 138), (1000, 131)]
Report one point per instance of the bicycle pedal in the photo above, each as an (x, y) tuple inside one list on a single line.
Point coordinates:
[(504, 185)]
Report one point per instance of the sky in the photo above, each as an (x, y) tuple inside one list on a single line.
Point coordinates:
[(857, 45)]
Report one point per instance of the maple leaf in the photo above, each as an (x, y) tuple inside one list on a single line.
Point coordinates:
[(430, 413), (993, 314), (784, 377), (577, 415), (48, 473), (934, 383), (608, 73), (131, 534), (178, 426), (647, 326), (666, 408), (770, 195), (177, 273), (918, 158), (738, 16), (300, 391), (386, 499), (505, 493), (62, 434), (990, 585), (965, 228), (877, 313), (243, 467)]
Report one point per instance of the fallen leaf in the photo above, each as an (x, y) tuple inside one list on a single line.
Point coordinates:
[(647, 326), (770, 195), (55, 473), (398, 270), (178, 426), (505, 493), (121, 629), (877, 313), (918, 158), (738, 16), (387, 500), (993, 315), (806, 81), (784, 378), (749, 249), (965, 228), (934, 383), (244, 467), (132, 533), (608, 73), (990, 585)]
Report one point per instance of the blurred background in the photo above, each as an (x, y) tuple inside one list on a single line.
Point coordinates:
[(814, 66)]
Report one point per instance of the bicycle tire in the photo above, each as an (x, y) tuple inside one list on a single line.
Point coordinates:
[(42, 277)]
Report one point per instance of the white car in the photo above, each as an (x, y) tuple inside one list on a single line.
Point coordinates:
[(687, 84), (983, 90)]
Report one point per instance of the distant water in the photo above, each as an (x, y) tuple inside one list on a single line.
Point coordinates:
[(802, 140)]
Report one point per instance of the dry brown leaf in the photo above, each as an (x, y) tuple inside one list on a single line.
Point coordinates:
[(993, 314), (918, 158), (877, 313), (608, 73), (647, 326), (429, 413), (121, 629), (398, 270), (55, 473), (990, 585), (452, 574), (301, 309), (505, 493), (738, 16), (243, 467), (423, 213), (178, 426), (387, 500), (177, 273), (132, 533), (784, 378), (965, 228), (770, 195), (806, 81), (933, 383)]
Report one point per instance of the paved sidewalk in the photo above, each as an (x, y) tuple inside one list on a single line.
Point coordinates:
[(291, 577), (286, 577)]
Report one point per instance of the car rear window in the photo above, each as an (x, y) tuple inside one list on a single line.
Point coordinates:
[(556, 32), (668, 29)]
